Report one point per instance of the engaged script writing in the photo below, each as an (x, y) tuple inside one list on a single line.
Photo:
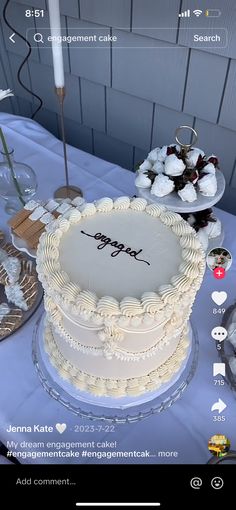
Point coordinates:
[(106, 241)]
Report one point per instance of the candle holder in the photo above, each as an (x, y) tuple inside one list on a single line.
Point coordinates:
[(67, 191)]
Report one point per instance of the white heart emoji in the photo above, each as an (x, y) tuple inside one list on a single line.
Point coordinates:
[(61, 427), (219, 297)]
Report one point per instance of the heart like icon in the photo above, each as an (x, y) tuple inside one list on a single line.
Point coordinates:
[(61, 427), (219, 297)]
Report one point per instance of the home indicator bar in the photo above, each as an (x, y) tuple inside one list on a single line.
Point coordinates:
[(140, 505)]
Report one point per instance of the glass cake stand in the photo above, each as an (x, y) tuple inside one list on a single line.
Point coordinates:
[(107, 409)]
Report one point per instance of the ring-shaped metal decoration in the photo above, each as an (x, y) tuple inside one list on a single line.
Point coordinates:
[(186, 146)]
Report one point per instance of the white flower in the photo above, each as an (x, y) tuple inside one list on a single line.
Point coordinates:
[(174, 165), (5, 93), (188, 193), (162, 186)]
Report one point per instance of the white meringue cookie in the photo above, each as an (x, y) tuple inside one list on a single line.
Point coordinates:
[(209, 169), (146, 165), (162, 186), (208, 185), (173, 165), (193, 156), (213, 229), (188, 193), (158, 168), (203, 238), (142, 180), (152, 156)]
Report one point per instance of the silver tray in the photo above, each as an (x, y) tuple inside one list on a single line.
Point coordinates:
[(25, 315)]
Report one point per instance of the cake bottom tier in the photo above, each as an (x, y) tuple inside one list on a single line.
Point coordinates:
[(115, 378)]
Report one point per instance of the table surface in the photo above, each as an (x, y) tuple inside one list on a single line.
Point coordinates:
[(185, 427)]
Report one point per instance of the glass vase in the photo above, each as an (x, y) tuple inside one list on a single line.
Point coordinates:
[(18, 183)]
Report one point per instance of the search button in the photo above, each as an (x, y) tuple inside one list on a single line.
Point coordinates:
[(38, 37), (196, 482)]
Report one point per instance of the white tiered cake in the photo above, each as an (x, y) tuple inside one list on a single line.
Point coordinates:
[(120, 278)]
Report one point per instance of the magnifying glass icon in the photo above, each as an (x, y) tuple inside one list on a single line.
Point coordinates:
[(38, 37)]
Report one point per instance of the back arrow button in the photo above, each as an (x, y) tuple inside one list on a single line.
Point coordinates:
[(11, 37)]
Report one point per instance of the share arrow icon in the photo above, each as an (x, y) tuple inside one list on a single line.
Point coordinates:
[(219, 406)]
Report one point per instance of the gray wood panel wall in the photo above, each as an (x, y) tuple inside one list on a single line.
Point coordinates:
[(122, 101)]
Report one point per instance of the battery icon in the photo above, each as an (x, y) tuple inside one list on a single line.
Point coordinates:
[(213, 13)]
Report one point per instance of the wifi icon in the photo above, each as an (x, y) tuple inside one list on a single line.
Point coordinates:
[(197, 12)]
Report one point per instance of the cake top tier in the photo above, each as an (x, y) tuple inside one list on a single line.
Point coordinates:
[(120, 257)]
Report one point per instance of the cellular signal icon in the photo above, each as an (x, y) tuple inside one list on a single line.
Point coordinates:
[(185, 14)]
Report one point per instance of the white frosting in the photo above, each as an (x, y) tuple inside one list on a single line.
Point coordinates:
[(188, 193), (15, 295), (78, 201), (94, 380), (118, 320), (162, 153), (31, 205), (203, 238), (158, 167), (125, 234), (146, 165), (4, 310), (209, 169), (208, 185), (173, 165), (162, 186), (46, 218), (12, 267), (63, 208), (213, 229), (192, 156), (51, 205), (153, 155), (37, 213)]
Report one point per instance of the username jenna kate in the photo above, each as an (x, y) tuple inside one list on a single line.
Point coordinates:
[(28, 428)]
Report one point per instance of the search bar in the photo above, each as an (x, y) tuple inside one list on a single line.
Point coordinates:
[(102, 38)]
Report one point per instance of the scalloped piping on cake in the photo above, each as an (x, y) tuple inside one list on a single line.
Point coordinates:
[(55, 280), (115, 387), (120, 353)]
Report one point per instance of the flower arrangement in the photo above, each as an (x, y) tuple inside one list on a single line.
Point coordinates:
[(170, 168), (3, 95)]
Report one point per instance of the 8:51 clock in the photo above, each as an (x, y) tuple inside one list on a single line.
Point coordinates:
[(34, 13)]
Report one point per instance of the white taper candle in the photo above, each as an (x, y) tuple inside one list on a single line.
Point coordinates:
[(55, 27)]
